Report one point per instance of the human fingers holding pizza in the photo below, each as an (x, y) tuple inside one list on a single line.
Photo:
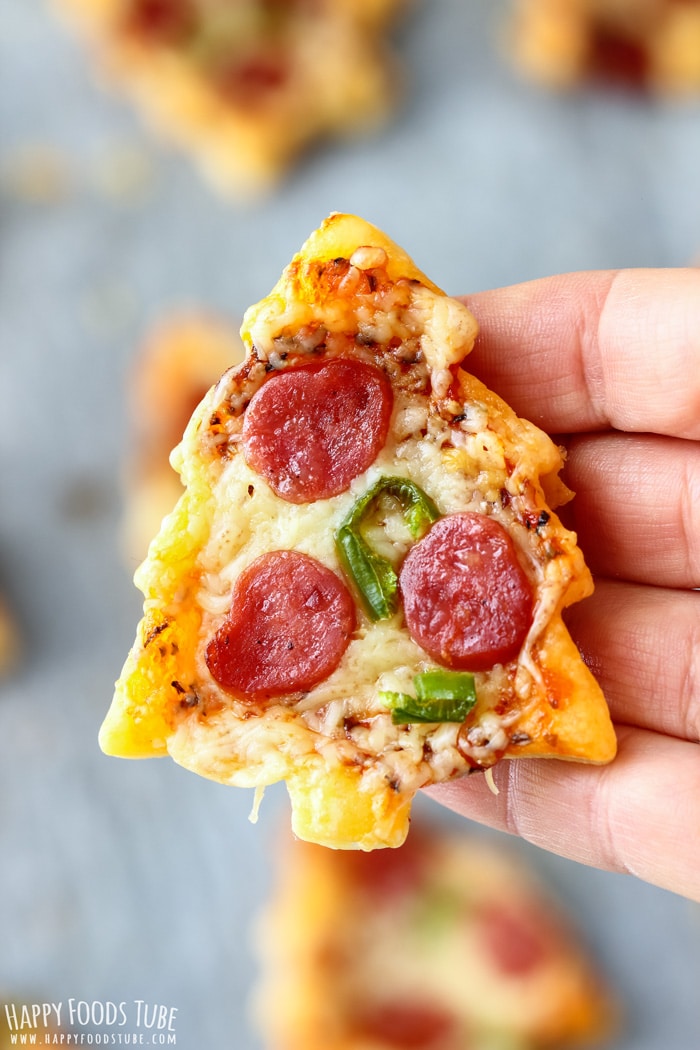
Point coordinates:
[(360, 590), (612, 361)]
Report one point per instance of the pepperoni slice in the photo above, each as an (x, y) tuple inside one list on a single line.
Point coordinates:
[(310, 430), (250, 82), (162, 21), (290, 622), (467, 600), (517, 942), (389, 874), (406, 1024)]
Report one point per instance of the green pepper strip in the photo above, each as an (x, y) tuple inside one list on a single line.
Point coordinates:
[(441, 696), (373, 574)]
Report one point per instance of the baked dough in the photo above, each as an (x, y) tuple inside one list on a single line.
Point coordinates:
[(10, 642), (177, 363)]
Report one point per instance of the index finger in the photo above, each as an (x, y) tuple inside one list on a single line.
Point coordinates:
[(594, 350)]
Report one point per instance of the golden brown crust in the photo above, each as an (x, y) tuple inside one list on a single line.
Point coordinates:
[(10, 642), (180, 360)]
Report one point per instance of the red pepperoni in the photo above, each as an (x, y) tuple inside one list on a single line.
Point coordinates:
[(310, 430), (166, 21), (290, 622), (251, 81), (467, 600), (389, 874), (406, 1024), (516, 941)]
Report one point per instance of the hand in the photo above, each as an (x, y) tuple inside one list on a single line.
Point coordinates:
[(612, 361)]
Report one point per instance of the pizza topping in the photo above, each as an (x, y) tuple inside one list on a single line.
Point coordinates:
[(382, 875), (368, 257), (484, 743), (371, 572), (617, 57), (310, 430), (467, 600), (250, 81), (290, 622), (441, 696), (405, 1025), (516, 941), (164, 21)]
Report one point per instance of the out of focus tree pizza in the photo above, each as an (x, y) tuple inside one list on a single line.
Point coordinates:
[(360, 591), (246, 85), (450, 943), (174, 367)]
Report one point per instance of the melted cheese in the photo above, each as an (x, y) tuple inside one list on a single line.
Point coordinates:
[(462, 468)]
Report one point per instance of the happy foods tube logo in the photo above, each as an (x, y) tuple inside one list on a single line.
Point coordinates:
[(77, 1022)]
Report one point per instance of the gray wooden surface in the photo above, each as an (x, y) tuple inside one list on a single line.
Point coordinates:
[(136, 880)]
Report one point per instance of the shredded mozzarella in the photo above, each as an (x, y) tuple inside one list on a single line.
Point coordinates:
[(258, 794), (461, 466)]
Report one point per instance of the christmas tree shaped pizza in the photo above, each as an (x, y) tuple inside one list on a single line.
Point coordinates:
[(450, 943), (360, 591), (246, 86)]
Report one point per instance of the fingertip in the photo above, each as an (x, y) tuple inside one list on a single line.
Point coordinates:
[(596, 349)]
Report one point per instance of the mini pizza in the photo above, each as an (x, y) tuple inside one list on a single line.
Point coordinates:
[(181, 359), (246, 85), (653, 44), (360, 591), (458, 944)]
